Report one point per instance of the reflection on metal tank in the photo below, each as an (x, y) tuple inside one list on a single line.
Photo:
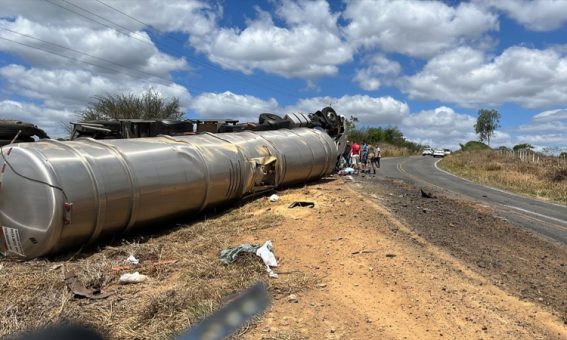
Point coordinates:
[(55, 195)]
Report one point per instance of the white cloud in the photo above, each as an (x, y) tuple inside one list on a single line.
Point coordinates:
[(551, 115), (441, 127), (229, 105), (416, 28), (537, 15), (108, 48), (308, 46), (63, 93), (548, 128), (50, 120), (60, 88), (190, 16), (368, 110), (529, 77), (380, 68)]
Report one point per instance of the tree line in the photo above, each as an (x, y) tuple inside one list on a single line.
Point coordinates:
[(377, 135)]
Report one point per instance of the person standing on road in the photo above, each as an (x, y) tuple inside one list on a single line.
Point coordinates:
[(364, 156), (346, 154), (355, 155), (375, 162), (371, 156)]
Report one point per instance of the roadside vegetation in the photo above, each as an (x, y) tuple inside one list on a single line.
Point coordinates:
[(391, 140), (148, 105), (522, 171)]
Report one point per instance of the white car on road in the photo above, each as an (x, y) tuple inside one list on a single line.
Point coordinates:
[(427, 152), (438, 153)]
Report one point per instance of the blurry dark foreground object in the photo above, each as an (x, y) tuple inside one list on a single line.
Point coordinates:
[(62, 332), (238, 310)]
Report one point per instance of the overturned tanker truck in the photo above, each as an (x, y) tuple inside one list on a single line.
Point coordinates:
[(55, 195)]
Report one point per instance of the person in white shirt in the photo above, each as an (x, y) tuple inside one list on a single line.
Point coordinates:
[(375, 162)]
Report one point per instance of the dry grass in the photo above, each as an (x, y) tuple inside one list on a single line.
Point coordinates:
[(176, 296), (545, 179), (389, 150)]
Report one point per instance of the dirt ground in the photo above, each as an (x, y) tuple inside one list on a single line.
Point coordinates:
[(381, 278), (372, 259)]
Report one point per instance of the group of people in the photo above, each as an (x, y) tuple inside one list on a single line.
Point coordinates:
[(361, 158)]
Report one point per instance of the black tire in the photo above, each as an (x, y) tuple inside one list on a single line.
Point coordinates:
[(269, 117), (270, 121), (330, 115)]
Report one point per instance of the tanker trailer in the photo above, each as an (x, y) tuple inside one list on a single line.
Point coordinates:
[(55, 195)]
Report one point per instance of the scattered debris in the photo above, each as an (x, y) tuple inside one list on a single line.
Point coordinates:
[(229, 255), (265, 252), (132, 278), (54, 267), (302, 204), (391, 255), (321, 285), (350, 178), (426, 194), (132, 260), (79, 290), (292, 298), (347, 171), (274, 198), (363, 252)]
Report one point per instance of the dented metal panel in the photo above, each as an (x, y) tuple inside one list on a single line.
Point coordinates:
[(55, 195)]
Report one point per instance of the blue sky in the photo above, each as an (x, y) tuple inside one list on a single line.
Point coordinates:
[(424, 66)]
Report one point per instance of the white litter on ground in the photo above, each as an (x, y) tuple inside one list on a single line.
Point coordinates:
[(132, 278), (132, 260), (265, 252)]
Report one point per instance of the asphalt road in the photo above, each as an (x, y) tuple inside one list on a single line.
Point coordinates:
[(546, 218)]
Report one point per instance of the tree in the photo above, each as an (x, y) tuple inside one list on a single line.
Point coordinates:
[(149, 105), (523, 146), (473, 145), (487, 122), (351, 124)]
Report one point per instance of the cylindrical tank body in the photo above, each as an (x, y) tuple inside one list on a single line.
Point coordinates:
[(55, 195)]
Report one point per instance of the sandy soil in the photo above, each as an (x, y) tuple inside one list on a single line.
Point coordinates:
[(380, 278)]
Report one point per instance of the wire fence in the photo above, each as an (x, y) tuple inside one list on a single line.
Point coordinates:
[(531, 156)]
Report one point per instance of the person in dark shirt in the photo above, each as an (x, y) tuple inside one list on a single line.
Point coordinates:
[(346, 153), (364, 157)]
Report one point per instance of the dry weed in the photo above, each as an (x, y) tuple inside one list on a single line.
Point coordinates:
[(175, 297), (546, 178)]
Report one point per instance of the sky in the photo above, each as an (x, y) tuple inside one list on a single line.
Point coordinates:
[(426, 67)]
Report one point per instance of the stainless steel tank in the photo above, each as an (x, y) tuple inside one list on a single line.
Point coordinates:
[(55, 195)]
